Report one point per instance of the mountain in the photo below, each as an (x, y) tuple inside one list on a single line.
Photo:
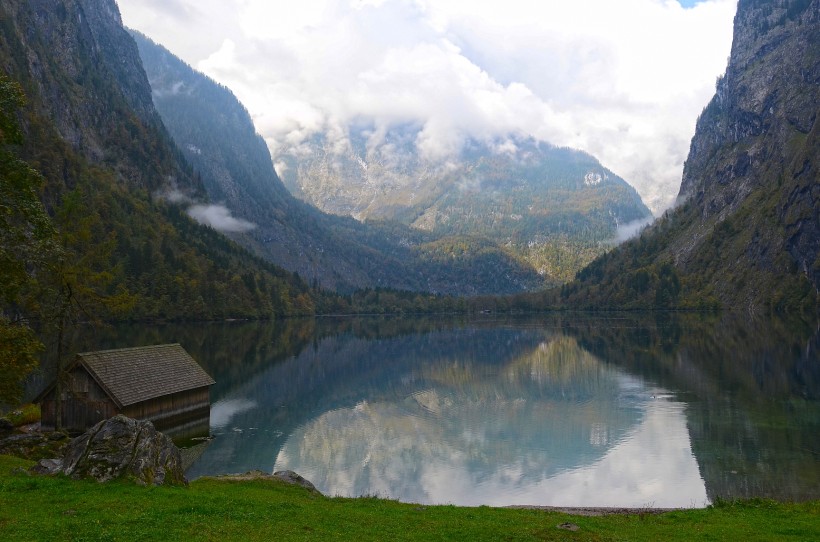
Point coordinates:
[(216, 135), (746, 231), (555, 208), (112, 177)]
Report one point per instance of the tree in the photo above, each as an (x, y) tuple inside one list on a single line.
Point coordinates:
[(27, 242), (63, 274), (79, 280)]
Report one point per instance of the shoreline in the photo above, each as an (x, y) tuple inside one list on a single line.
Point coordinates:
[(588, 511), (595, 511)]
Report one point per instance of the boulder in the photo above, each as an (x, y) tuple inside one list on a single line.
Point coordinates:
[(121, 447), (48, 466), (291, 477)]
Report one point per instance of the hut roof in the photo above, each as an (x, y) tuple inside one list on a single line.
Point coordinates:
[(133, 375)]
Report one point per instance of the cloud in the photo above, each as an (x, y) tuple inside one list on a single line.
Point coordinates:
[(631, 229), (624, 81), (216, 216), (172, 194), (219, 218), (169, 89)]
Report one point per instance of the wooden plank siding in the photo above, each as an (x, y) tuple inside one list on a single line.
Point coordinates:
[(170, 406), (84, 403), (102, 384)]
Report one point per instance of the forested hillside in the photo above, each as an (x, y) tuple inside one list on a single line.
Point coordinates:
[(746, 233)]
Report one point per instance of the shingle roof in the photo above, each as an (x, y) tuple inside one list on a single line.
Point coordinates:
[(133, 375)]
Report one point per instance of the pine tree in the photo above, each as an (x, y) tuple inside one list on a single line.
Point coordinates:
[(26, 244)]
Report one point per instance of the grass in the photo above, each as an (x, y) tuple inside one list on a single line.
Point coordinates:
[(23, 415), (45, 508)]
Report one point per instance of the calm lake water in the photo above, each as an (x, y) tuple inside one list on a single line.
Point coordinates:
[(615, 410)]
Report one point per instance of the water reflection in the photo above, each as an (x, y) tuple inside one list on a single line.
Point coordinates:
[(555, 426), (652, 466), (224, 410), (665, 410), (752, 389)]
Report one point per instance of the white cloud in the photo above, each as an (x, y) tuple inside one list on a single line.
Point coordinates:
[(219, 218), (631, 229), (623, 80), (172, 194), (216, 216)]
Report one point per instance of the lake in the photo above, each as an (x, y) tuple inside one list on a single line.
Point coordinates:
[(662, 410)]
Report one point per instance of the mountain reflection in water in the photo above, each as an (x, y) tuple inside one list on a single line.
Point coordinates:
[(665, 410), (466, 414), (554, 428)]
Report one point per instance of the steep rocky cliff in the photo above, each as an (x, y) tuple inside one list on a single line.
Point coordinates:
[(83, 73), (746, 233), (759, 134), (112, 174)]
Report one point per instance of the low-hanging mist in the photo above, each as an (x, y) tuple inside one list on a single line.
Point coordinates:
[(219, 218)]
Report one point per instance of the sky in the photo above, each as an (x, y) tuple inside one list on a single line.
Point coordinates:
[(623, 80)]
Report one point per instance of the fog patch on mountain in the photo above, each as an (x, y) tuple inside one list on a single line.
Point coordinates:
[(219, 218), (627, 231)]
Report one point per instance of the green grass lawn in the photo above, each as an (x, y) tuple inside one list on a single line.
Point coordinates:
[(45, 508)]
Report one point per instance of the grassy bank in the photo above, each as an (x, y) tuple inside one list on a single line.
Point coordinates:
[(42, 508)]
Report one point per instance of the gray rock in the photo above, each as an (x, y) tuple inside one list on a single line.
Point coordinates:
[(23, 439), (121, 447), (48, 466), (33, 446), (292, 478), (6, 426), (286, 476)]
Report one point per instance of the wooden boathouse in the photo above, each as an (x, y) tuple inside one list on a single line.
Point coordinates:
[(162, 383)]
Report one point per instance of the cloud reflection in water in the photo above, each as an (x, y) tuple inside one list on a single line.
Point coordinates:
[(554, 427), (222, 412)]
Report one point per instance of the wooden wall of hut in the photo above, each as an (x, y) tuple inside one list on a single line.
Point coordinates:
[(175, 405), (83, 404), (86, 403)]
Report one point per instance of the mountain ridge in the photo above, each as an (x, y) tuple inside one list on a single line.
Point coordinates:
[(746, 232), (555, 208), (217, 136)]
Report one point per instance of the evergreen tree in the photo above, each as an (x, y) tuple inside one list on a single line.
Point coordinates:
[(26, 245)]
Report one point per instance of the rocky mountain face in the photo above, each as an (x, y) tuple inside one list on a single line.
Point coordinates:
[(760, 132), (746, 232), (555, 208), (85, 77), (109, 168), (217, 136)]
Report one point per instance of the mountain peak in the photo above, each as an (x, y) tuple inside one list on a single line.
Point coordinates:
[(554, 208)]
